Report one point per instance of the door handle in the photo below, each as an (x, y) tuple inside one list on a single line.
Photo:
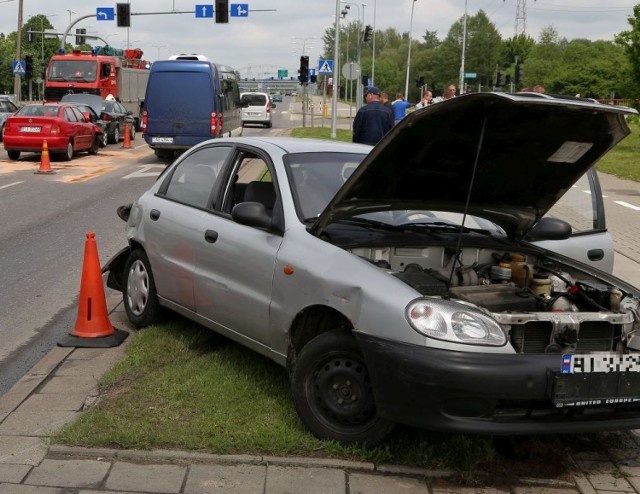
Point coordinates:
[(595, 254), (154, 214), (211, 236)]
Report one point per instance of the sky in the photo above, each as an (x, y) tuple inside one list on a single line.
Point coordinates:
[(276, 32)]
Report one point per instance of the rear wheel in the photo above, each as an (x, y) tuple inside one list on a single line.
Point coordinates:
[(132, 130), (114, 138), (13, 155), (139, 291), (68, 153), (95, 145), (332, 391)]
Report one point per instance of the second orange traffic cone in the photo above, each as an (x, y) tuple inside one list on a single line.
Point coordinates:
[(93, 328), (127, 136), (45, 164)]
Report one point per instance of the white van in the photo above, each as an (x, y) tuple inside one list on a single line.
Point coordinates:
[(256, 109)]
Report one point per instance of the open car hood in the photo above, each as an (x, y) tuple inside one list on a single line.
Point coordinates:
[(504, 157), (93, 100)]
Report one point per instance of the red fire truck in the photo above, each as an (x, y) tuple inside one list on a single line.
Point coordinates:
[(103, 71)]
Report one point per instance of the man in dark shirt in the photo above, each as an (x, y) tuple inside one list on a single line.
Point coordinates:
[(373, 120)]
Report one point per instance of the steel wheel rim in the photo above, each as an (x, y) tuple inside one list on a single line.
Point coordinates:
[(137, 288), (342, 392)]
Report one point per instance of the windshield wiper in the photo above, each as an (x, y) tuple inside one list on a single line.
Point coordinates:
[(364, 222), (442, 226)]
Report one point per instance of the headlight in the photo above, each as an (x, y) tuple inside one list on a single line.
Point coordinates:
[(443, 320)]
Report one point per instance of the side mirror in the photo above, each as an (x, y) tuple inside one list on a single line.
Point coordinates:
[(251, 214), (549, 229)]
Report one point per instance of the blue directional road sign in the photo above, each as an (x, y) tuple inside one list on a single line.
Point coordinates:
[(18, 67), (105, 14), (325, 67), (239, 10), (204, 10)]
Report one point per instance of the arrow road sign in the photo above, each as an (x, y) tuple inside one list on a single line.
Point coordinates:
[(239, 10), (18, 67), (325, 67), (204, 10), (105, 14)]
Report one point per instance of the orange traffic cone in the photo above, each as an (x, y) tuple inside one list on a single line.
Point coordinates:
[(93, 328), (45, 164), (127, 136)]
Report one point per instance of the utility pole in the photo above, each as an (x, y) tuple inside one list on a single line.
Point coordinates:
[(17, 78)]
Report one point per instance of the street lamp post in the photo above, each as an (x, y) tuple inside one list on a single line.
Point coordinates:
[(336, 72), (158, 47), (373, 49), (406, 85), (464, 48), (17, 78)]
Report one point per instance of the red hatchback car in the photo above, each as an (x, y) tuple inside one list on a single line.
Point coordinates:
[(63, 126)]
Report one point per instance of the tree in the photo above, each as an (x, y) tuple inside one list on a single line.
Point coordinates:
[(630, 42)]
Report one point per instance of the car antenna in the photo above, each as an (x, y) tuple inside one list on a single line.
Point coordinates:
[(456, 257)]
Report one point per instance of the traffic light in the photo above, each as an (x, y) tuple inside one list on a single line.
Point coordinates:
[(517, 77), (420, 82), (507, 80), (365, 80), (123, 14), (304, 69), (28, 66), (368, 30), (80, 38), (499, 79), (313, 79), (222, 11)]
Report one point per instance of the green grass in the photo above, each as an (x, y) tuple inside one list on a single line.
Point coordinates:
[(622, 161), (322, 133)]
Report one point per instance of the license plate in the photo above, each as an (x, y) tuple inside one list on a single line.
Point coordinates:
[(597, 379), (599, 362), (162, 140), (29, 129), (252, 113)]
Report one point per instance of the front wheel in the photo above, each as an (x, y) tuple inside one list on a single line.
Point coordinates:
[(13, 155), (139, 292), (104, 139), (332, 391), (132, 130)]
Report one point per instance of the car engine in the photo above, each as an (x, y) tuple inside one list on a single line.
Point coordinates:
[(544, 306)]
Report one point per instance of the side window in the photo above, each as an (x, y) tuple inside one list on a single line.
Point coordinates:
[(69, 116), (250, 182), (78, 114), (194, 181), (579, 207), (106, 70)]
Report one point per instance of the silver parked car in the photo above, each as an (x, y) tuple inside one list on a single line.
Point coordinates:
[(402, 283), (7, 108), (256, 109)]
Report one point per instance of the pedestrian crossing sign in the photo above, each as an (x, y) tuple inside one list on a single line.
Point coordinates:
[(325, 67), (18, 67)]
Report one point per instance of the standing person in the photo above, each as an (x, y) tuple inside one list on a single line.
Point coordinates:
[(426, 100), (400, 106), (448, 94), (384, 99), (373, 120)]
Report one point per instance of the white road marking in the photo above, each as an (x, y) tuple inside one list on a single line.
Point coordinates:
[(627, 205), (9, 185), (145, 171)]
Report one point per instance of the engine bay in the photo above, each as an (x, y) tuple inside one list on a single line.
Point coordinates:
[(543, 305)]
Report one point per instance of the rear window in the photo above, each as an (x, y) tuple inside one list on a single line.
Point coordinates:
[(169, 88), (254, 99), (38, 111)]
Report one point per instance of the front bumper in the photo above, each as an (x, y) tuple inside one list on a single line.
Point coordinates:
[(479, 392)]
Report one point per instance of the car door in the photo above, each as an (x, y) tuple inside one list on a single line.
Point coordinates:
[(236, 262), (85, 128), (582, 206), (75, 129), (178, 216)]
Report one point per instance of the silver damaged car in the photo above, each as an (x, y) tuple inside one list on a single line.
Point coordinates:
[(404, 283)]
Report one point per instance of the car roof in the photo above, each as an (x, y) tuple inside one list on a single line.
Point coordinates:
[(290, 145)]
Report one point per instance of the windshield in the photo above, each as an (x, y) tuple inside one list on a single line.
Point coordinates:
[(250, 99), (73, 70), (315, 178)]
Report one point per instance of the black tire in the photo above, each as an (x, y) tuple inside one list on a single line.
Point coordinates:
[(114, 138), (332, 392), (132, 131), (104, 139), (13, 155), (68, 153), (139, 291), (93, 150), (269, 125)]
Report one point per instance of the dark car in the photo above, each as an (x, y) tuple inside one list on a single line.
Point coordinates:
[(91, 115), (114, 115), (117, 117)]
